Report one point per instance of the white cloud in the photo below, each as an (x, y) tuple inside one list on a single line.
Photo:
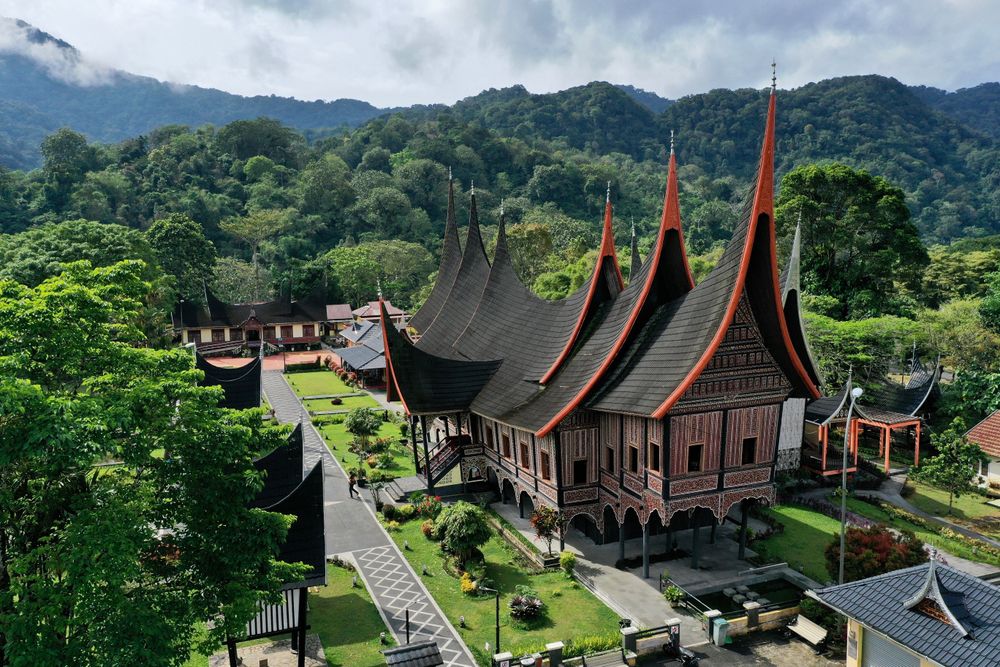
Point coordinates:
[(420, 51)]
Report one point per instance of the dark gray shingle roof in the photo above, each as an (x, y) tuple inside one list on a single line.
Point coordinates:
[(418, 654), (881, 602), (451, 260)]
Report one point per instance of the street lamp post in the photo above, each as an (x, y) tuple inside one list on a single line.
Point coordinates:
[(855, 395), (497, 594)]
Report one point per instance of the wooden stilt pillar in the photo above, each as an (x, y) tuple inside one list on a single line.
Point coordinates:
[(621, 541), (711, 534), (916, 447), (824, 437), (887, 436), (427, 455), (413, 443), (669, 540), (744, 513), (303, 625), (234, 660), (645, 550), (694, 543)]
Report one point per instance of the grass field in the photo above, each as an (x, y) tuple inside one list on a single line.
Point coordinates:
[(347, 403), (571, 610), (802, 545), (346, 621), (317, 383), (970, 510), (337, 439)]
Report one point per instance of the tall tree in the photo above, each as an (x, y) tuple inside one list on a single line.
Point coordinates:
[(123, 486), (255, 228), (857, 238), (955, 465), (183, 252)]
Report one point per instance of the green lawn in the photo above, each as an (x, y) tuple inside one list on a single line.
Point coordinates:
[(970, 510), (802, 544), (337, 439), (346, 620), (926, 534), (317, 383), (347, 403), (572, 611)]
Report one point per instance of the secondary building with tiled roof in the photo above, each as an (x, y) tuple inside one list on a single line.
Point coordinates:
[(986, 434), (930, 614), (632, 408)]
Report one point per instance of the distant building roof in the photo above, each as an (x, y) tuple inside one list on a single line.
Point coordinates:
[(934, 610), (370, 310), (358, 330), (215, 313), (362, 358), (339, 312), (986, 434), (417, 654)]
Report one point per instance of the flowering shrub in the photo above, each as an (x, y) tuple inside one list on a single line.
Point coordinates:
[(427, 506), (567, 561), (427, 528), (526, 604), (468, 584)]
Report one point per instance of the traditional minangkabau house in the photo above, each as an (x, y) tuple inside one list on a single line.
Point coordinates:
[(632, 409), (893, 413), (218, 327)]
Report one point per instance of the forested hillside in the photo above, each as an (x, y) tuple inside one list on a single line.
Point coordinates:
[(978, 107), (43, 90)]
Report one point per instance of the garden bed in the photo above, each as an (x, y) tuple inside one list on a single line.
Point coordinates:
[(346, 403), (338, 440), (573, 614)]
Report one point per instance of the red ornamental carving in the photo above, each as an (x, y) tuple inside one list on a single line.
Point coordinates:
[(710, 502), (693, 485), (580, 495), (765, 493), (745, 477)]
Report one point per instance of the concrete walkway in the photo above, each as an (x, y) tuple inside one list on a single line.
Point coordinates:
[(353, 531)]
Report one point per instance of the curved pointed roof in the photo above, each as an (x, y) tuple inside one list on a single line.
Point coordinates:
[(430, 384), (681, 336), (605, 284), (790, 291), (282, 468), (463, 295), (451, 260), (240, 385)]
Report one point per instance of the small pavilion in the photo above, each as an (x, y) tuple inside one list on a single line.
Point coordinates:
[(889, 409)]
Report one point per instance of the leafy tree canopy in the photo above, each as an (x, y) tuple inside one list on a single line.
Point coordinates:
[(124, 486)]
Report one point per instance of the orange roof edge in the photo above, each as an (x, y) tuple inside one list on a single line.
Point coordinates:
[(388, 357), (670, 220), (607, 253), (763, 204)]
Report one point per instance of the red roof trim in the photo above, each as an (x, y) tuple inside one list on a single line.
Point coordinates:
[(669, 221), (607, 253), (388, 360), (763, 204)]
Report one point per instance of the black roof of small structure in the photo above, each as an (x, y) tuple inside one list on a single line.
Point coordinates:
[(625, 350), (306, 540), (451, 261), (941, 613), (432, 384), (886, 402), (282, 469), (218, 314), (241, 385), (363, 357), (417, 654)]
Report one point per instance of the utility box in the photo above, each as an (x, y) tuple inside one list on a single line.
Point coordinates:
[(710, 617), (720, 632)]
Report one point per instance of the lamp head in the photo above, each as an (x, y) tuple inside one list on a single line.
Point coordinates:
[(856, 393)]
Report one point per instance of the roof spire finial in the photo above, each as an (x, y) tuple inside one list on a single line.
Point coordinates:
[(501, 207), (472, 185), (671, 142), (774, 75), (378, 285), (632, 220), (449, 172), (608, 198)]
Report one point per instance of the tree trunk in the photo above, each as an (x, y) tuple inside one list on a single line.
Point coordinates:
[(951, 497)]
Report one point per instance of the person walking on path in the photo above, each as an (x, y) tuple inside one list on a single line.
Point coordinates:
[(351, 482)]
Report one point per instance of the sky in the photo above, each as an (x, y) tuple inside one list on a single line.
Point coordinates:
[(404, 52)]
